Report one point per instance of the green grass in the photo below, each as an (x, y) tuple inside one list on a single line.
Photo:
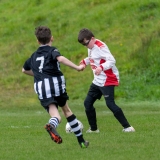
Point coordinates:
[(23, 136), (131, 29)]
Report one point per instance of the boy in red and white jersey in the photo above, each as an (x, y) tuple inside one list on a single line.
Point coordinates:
[(106, 77)]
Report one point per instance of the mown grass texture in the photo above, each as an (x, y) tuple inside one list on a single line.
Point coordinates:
[(130, 29), (23, 136)]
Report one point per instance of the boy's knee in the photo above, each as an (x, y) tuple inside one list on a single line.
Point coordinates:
[(110, 103), (112, 106), (88, 106)]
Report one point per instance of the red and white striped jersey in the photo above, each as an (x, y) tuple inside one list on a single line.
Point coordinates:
[(100, 55)]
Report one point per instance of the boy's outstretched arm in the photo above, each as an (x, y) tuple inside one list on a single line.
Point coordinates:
[(28, 72), (67, 62), (26, 68)]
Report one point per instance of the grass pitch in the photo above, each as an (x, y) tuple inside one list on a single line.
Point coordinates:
[(130, 29), (23, 135)]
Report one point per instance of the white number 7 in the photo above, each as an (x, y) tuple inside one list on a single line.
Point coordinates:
[(41, 64)]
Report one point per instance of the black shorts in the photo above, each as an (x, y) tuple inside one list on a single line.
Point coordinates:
[(96, 92), (58, 101)]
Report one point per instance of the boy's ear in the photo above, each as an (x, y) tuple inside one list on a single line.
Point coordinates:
[(38, 42), (52, 39)]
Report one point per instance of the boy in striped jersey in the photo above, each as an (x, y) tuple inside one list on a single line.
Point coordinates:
[(106, 77), (49, 84)]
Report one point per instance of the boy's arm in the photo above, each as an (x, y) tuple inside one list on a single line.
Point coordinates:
[(85, 61), (28, 72), (26, 68), (109, 60), (67, 62)]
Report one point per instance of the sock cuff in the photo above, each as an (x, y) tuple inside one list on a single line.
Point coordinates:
[(54, 121), (54, 118), (71, 118)]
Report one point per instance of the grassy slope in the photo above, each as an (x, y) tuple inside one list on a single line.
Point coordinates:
[(131, 30)]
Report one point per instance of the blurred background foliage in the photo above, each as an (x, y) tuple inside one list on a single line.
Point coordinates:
[(131, 29)]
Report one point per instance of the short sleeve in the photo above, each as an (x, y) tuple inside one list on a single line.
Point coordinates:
[(27, 64), (55, 53)]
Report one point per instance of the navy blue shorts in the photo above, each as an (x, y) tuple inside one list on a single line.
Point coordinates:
[(58, 101)]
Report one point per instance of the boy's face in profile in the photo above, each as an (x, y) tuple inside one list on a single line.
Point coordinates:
[(89, 43)]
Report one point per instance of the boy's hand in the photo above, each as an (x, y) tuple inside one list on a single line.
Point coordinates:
[(98, 70), (81, 67)]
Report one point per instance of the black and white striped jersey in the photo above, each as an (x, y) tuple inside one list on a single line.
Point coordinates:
[(49, 81)]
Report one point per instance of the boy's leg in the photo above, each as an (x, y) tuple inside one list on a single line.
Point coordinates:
[(93, 94), (62, 102), (77, 131), (108, 93), (90, 112), (71, 118), (53, 124)]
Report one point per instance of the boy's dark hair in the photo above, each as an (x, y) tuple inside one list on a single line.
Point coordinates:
[(43, 34), (84, 34)]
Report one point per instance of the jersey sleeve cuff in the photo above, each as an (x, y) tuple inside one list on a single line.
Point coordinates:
[(82, 62), (101, 67)]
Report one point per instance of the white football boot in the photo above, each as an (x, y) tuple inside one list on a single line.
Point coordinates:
[(129, 129), (90, 131)]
